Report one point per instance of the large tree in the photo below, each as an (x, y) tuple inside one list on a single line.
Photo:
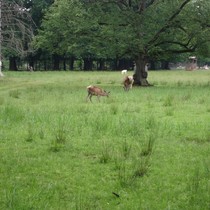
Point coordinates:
[(16, 30), (140, 29), (151, 29)]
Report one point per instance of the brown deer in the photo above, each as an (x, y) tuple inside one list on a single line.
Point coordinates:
[(96, 91), (128, 82)]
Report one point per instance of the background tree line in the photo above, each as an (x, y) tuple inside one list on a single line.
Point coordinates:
[(107, 34)]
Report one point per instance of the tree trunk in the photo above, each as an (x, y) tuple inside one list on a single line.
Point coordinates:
[(56, 62), (71, 63), (88, 64), (165, 65), (64, 63), (100, 64), (45, 64), (140, 74), (13, 63)]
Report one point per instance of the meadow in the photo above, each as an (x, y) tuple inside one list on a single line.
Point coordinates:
[(148, 148)]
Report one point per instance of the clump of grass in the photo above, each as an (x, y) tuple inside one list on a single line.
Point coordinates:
[(82, 109), (112, 82), (86, 202), (30, 132), (61, 135), (11, 198), (13, 113), (1, 100), (148, 148), (123, 176), (201, 101), (179, 83), (130, 168), (56, 147), (105, 153), (142, 165), (169, 112), (152, 135), (41, 134), (150, 122), (198, 139), (199, 188), (169, 100), (142, 162), (14, 93), (126, 149), (186, 97), (163, 83), (189, 83), (114, 109), (123, 168)]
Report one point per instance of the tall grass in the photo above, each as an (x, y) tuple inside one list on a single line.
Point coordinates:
[(143, 149)]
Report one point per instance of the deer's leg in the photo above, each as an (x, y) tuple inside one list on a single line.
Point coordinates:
[(91, 98), (98, 98), (88, 97)]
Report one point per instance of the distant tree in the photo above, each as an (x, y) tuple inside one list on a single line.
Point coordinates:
[(152, 29), (68, 29), (113, 29), (37, 10), (16, 31)]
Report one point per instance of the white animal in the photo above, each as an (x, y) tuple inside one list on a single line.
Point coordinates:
[(180, 67), (206, 67), (128, 82), (96, 91), (124, 71)]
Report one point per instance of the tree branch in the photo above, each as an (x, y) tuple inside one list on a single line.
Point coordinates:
[(175, 42), (182, 50), (168, 23), (144, 5)]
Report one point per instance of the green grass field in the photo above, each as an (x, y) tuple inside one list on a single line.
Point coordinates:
[(148, 148)]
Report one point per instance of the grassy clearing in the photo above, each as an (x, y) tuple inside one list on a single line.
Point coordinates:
[(148, 148)]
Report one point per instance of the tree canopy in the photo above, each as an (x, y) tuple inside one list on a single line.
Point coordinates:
[(141, 30), (138, 30)]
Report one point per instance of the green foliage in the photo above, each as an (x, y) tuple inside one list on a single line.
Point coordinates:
[(74, 29), (104, 29)]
